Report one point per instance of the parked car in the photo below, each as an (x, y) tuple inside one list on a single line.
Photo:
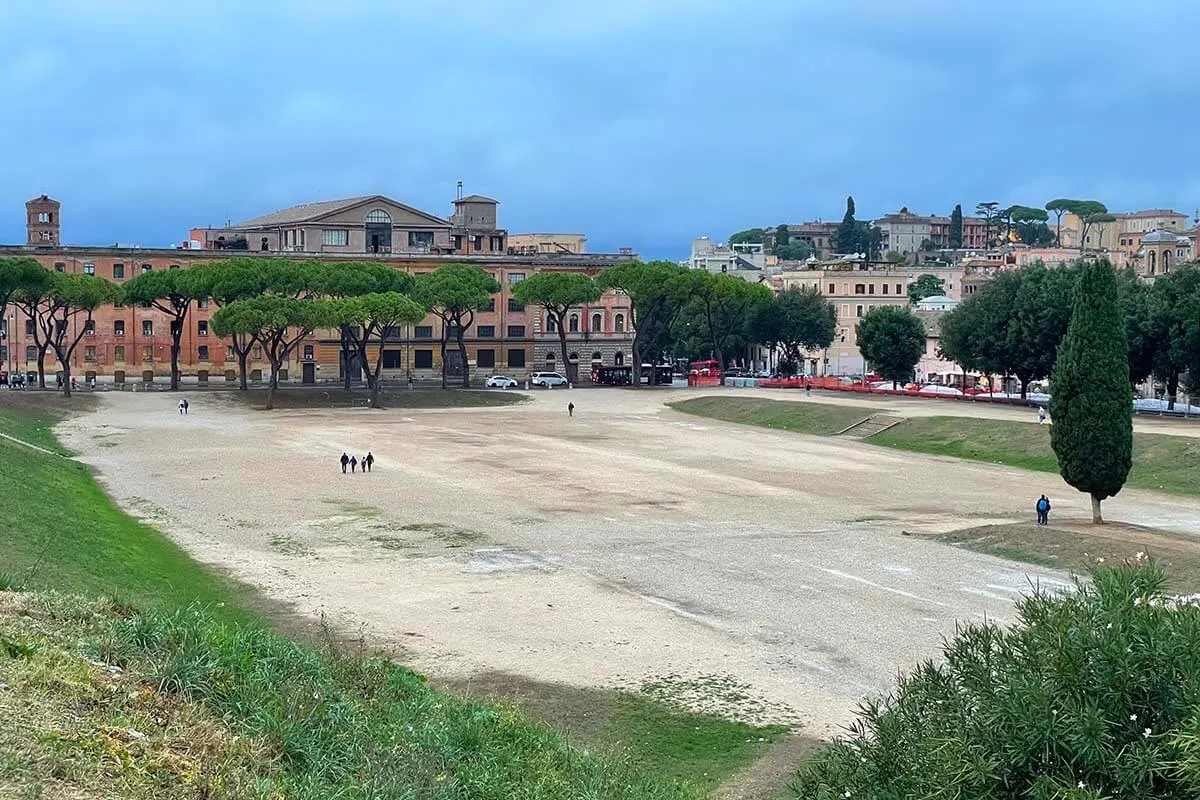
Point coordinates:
[(548, 379), (501, 382)]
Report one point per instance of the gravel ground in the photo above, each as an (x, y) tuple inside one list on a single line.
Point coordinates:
[(624, 544)]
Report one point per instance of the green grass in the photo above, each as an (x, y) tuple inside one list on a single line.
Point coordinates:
[(59, 531), (819, 419), (305, 397), (1161, 463), (229, 708)]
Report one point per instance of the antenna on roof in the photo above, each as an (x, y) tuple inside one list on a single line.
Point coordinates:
[(460, 190)]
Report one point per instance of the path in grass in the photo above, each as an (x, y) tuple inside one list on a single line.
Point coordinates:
[(1162, 463)]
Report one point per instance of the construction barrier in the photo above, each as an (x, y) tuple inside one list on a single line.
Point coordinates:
[(833, 384)]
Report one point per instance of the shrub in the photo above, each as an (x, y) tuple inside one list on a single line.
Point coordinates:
[(1093, 693)]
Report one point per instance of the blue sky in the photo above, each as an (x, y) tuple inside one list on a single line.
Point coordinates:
[(639, 122)]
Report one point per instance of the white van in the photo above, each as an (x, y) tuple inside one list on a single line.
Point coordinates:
[(548, 379)]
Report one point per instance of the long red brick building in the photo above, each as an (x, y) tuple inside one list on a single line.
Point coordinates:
[(128, 344)]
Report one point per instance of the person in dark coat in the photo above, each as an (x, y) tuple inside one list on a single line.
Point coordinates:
[(353, 464), (1043, 510), (570, 409), (368, 460), (345, 461)]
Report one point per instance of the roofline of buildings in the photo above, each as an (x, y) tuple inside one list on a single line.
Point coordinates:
[(184, 253)]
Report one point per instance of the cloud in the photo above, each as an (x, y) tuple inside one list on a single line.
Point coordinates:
[(641, 122)]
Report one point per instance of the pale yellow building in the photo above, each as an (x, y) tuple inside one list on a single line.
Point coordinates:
[(1120, 234), (544, 244)]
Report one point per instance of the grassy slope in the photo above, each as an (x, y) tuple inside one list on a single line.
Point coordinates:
[(58, 531), (819, 419), (1161, 463)]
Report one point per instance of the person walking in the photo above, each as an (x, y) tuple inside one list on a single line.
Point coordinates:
[(345, 461), (1043, 510), (1041, 415), (368, 461), (570, 409), (183, 406), (808, 388), (353, 464)]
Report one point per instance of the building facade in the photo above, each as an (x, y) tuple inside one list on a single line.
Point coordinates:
[(545, 244), (126, 343)]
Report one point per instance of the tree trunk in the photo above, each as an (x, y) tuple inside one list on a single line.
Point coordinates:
[(66, 377), (562, 346), (1096, 518), (636, 354), (443, 348), (242, 356), (462, 355), (176, 336), (375, 392), (345, 356), (41, 368), (273, 384), (1172, 390)]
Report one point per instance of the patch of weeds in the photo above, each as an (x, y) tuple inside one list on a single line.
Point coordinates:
[(290, 546), (392, 542), (449, 535), (9, 582), (722, 696), (357, 510)]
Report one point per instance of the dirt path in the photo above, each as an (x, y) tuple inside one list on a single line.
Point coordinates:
[(624, 544)]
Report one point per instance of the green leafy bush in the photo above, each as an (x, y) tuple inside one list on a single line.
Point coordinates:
[(1093, 694)]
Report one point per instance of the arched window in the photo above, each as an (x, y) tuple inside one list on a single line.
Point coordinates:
[(551, 324), (573, 358), (1166, 261), (379, 215), (1150, 258), (619, 323), (619, 358), (550, 357), (573, 323), (597, 323), (597, 358), (265, 245)]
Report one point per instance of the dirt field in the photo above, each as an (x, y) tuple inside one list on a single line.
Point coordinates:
[(627, 544)]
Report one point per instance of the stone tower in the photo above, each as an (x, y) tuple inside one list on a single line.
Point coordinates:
[(43, 223)]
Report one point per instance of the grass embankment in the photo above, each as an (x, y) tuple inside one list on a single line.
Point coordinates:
[(177, 688), (817, 419), (305, 397), (1161, 463)]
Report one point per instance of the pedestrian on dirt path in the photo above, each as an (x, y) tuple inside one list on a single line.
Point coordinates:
[(345, 461), (368, 460), (808, 388), (1043, 510), (353, 464), (570, 409), (183, 406), (1041, 415)]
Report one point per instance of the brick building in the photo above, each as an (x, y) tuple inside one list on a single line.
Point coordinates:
[(134, 343)]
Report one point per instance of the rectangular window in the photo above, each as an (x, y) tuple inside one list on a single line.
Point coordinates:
[(485, 358), (514, 306), (308, 352), (60, 266), (516, 359), (860, 312), (89, 352), (391, 359), (256, 353), (457, 242), (516, 331), (147, 328), (497, 243), (422, 239), (89, 268), (515, 277), (229, 355), (148, 353), (335, 238), (202, 352), (118, 272), (870, 288), (486, 331), (899, 289), (30, 353), (28, 327), (832, 290), (423, 332), (202, 328), (119, 354), (860, 288), (89, 328), (423, 359), (477, 243), (885, 288)]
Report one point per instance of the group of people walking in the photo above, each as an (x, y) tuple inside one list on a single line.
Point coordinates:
[(353, 462)]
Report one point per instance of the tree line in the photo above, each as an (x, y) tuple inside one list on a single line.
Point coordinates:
[(1014, 323)]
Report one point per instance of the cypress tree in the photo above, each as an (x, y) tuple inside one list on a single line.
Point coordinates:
[(956, 228), (848, 234), (1091, 402)]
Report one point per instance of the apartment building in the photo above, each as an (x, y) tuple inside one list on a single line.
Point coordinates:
[(1125, 232), (821, 236), (134, 343), (532, 244)]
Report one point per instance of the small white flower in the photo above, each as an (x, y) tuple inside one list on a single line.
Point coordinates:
[(1108, 626), (1133, 717), (1146, 733), (1100, 560), (316, 696), (1081, 785), (1141, 556), (846, 793)]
